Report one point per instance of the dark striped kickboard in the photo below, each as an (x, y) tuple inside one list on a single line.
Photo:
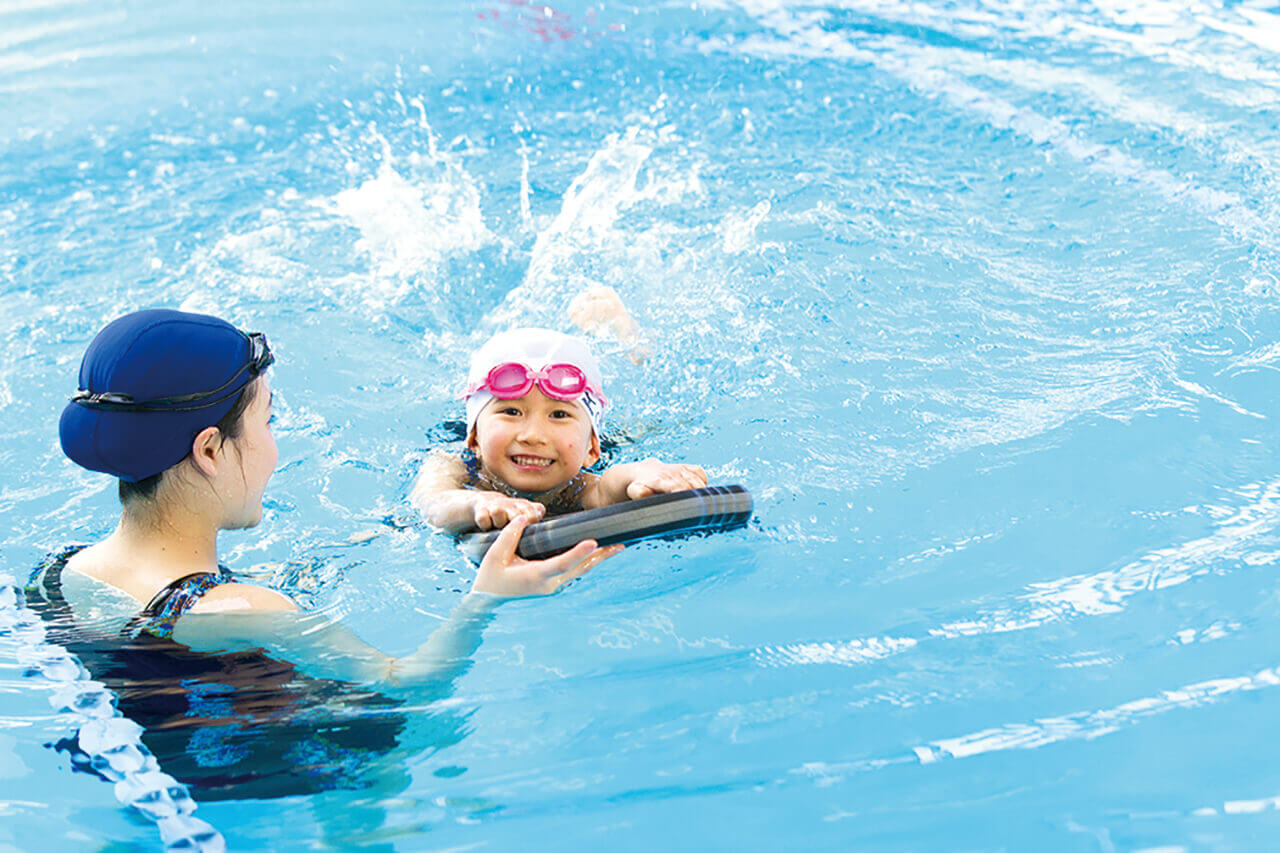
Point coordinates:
[(709, 509)]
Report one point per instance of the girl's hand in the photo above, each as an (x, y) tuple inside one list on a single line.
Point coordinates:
[(503, 572), (493, 509), (652, 477)]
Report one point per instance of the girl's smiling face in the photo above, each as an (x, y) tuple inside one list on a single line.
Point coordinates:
[(534, 443)]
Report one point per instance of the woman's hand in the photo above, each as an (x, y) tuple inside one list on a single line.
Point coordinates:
[(503, 572), (652, 477)]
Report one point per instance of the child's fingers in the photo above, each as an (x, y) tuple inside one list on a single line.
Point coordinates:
[(672, 481), (636, 491), (483, 518), (504, 547), (530, 510), (690, 476)]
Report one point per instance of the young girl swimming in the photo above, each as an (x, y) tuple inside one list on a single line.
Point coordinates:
[(535, 405)]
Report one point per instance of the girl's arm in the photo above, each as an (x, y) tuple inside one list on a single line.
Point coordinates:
[(636, 480), (439, 495), (437, 492)]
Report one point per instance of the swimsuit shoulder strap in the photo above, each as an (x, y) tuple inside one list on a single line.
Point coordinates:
[(44, 594), (162, 611), (44, 589)]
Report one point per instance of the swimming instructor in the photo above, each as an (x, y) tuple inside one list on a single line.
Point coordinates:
[(177, 406)]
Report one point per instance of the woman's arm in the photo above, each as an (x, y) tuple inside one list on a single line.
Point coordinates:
[(323, 648), (326, 649)]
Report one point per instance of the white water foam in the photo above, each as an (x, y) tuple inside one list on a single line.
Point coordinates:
[(410, 217), (589, 242), (849, 653), (738, 232), (586, 220), (1235, 541), (1239, 807)]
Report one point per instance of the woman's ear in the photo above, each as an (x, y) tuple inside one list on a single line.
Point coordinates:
[(205, 450)]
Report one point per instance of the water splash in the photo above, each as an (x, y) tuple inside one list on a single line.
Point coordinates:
[(585, 224), (408, 228)]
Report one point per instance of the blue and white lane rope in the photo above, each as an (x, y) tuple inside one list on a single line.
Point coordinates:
[(112, 742)]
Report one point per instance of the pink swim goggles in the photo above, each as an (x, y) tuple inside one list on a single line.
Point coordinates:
[(511, 379)]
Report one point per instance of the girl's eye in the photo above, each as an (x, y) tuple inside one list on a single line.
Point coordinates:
[(511, 410), (561, 413)]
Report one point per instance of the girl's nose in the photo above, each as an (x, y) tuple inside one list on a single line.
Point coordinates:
[(529, 434)]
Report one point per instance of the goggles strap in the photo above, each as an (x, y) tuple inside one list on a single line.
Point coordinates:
[(260, 358)]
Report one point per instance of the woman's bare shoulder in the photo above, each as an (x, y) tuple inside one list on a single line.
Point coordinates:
[(228, 597)]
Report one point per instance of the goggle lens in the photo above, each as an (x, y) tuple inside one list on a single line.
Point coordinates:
[(564, 379), (559, 381), (509, 380)]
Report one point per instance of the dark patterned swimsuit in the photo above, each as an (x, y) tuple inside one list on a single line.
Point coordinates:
[(233, 725)]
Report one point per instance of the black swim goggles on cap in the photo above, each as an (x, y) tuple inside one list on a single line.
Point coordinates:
[(260, 358)]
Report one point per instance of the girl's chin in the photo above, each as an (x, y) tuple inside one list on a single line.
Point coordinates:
[(533, 480), (534, 484)]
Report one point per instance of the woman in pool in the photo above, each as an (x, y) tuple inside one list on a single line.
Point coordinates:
[(178, 406), (534, 410)]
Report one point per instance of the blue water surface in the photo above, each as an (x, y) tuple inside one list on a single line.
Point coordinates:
[(978, 298)]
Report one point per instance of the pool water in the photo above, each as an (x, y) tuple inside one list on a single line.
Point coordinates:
[(978, 298)]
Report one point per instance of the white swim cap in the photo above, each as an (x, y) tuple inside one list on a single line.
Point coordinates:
[(535, 349)]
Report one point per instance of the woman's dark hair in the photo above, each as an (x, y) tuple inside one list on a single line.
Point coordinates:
[(230, 426)]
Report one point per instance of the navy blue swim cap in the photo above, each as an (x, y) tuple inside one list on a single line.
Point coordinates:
[(149, 383)]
